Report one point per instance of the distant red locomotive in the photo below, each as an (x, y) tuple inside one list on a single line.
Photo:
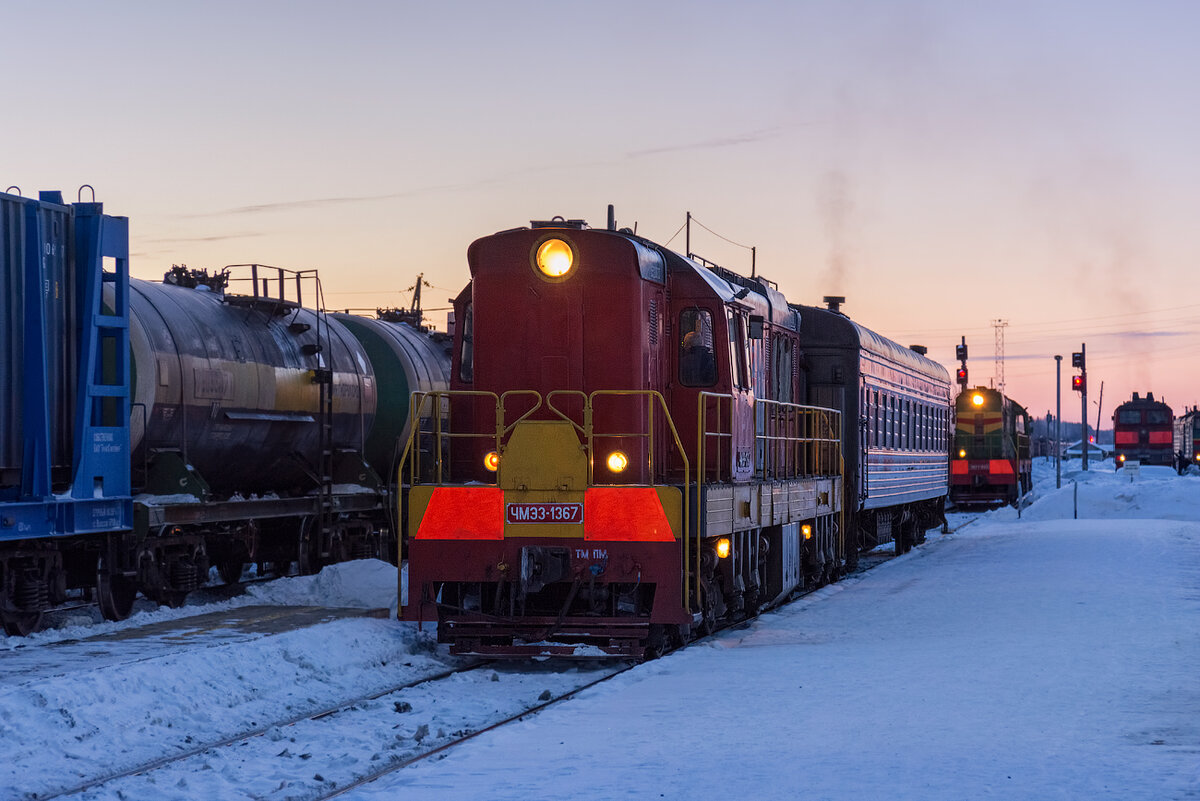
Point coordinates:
[(1142, 431), (628, 460)]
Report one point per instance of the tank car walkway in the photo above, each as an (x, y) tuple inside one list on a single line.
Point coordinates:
[(242, 624)]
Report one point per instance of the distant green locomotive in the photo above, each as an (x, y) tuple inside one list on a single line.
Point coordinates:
[(990, 461)]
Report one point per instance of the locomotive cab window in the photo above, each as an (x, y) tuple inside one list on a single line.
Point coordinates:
[(697, 357), (466, 353), (737, 349)]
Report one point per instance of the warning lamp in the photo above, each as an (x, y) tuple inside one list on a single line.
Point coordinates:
[(962, 453), (617, 461), (723, 546), (1077, 383), (554, 258), (977, 399), (962, 376), (492, 461), (806, 530)]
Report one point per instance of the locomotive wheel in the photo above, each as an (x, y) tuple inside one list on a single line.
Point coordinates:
[(708, 608), (21, 624), (114, 594), (656, 641)]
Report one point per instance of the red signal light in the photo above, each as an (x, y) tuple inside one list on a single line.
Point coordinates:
[(962, 376), (1077, 383)]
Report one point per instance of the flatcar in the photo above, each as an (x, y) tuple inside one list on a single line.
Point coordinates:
[(633, 455), (159, 429), (1186, 440), (896, 457), (1143, 430), (990, 459)]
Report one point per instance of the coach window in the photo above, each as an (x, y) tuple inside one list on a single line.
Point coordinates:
[(466, 354), (697, 359), (875, 415)]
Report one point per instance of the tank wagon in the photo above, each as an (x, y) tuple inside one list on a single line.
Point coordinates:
[(635, 458), (162, 428), (990, 459), (1186, 440), (1143, 430)]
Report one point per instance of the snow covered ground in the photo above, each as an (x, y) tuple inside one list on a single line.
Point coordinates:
[(1044, 657)]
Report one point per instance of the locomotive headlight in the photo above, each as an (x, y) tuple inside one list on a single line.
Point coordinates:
[(962, 453), (806, 530), (554, 258), (723, 546), (1121, 458), (492, 461), (977, 399), (617, 461)]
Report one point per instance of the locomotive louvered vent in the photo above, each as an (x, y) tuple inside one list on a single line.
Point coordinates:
[(654, 321)]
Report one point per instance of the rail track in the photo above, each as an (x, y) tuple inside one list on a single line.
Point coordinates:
[(324, 753)]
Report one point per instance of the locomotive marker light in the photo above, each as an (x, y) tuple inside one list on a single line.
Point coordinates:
[(554, 258), (492, 461), (723, 546), (617, 461), (806, 530), (962, 453)]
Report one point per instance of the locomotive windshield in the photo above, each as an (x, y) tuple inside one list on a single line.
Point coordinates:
[(1129, 417), (1158, 416)]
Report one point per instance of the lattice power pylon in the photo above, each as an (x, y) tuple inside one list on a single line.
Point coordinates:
[(1000, 325)]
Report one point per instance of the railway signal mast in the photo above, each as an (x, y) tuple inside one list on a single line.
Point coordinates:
[(1079, 384), (960, 353)]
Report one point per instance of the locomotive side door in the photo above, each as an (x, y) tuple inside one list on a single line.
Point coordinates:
[(741, 387)]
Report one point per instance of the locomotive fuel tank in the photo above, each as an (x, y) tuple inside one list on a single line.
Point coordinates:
[(231, 386)]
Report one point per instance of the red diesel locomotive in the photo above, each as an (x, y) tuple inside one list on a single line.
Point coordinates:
[(626, 462), (1143, 430)]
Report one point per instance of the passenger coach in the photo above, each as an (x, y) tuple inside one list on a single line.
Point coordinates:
[(896, 455)]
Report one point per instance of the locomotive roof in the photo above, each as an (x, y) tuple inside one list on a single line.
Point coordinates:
[(728, 286), (1146, 402), (774, 304), (838, 329)]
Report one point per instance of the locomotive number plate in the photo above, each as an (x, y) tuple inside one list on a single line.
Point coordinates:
[(544, 512)]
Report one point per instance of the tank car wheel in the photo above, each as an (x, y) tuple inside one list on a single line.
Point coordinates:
[(114, 594), (231, 571), (21, 624), (172, 599), (308, 557)]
